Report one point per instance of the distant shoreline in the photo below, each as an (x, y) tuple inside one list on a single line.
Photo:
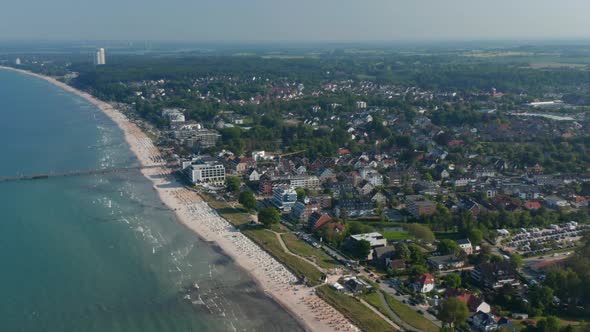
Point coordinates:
[(176, 197)]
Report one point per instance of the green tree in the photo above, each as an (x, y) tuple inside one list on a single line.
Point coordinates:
[(232, 183), (453, 312), (269, 216), (403, 251), (421, 232), (516, 260), (541, 297), (447, 246), (300, 193), (475, 236), (548, 324), (363, 249), (356, 227), (452, 280), (247, 199)]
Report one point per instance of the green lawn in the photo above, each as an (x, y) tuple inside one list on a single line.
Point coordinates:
[(301, 248), (397, 235), (409, 315), (270, 243), (354, 310), (375, 300), (237, 216)]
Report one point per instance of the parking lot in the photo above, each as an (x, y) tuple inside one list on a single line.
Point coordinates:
[(534, 241)]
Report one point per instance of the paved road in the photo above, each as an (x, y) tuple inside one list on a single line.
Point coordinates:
[(392, 291)]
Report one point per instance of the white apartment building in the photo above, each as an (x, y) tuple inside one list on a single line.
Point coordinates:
[(211, 173)]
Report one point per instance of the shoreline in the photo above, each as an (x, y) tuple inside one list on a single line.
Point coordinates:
[(193, 212)]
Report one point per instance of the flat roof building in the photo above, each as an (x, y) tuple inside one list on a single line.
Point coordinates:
[(207, 173)]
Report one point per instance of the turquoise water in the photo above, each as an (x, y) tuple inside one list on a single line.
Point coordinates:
[(101, 253)]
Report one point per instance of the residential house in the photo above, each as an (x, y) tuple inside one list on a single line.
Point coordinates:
[(366, 188), (326, 175), (424, 283), (489, 192), (356, 285), (317, 220), (532, 205), (253, 175), (395, 264), (474, 303), (379, 198), (382, 255), (463, 181), (447, 262), (579, 201), (466, 246), (245, 163), (303, 209), (483, 172), (483, 322), (555, 202)]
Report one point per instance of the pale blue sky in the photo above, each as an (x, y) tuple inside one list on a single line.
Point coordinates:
[(294, 20)]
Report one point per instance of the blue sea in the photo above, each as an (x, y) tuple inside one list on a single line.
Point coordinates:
[(101, 252)]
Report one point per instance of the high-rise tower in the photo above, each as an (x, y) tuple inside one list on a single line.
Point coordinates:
[(100, 57)]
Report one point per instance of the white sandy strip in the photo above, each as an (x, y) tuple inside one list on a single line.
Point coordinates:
[(314, 313)]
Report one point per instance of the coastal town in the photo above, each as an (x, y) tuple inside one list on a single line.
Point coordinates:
[(374, 206)]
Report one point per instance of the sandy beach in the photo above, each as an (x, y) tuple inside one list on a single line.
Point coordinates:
[(276, 280)]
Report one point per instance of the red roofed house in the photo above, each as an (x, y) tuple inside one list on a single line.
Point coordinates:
[(425, 282), (532, 205), (579, 201), (317, 219), (343, 151), (334, 226)]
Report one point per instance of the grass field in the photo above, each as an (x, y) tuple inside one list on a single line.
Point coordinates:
[(301, 248), (270, 243), (375, 300), (236, 216), (356, 312), (397, 235), (410, 316)]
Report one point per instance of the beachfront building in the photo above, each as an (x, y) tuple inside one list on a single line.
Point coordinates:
[(175, 116), (193, 135), (284, 198), (207, 173)]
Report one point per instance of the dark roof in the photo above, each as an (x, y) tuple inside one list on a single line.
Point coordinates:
[(379, 252)]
